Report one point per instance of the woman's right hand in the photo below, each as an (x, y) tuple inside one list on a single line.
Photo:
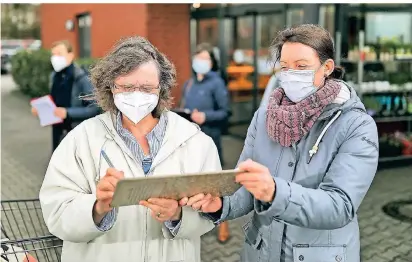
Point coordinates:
[(104, 193), (203, 203)]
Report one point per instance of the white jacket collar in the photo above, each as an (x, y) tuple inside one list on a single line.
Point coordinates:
[(178, 131)]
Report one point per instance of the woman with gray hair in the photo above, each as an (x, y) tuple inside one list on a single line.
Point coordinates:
[(137, 136)]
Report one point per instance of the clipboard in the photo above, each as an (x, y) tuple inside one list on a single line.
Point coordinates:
[(130, 191)]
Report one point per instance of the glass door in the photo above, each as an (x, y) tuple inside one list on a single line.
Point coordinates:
[(84, 21), (246, 86), (244, 36)]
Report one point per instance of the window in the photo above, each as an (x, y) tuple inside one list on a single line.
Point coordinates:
[(327, 18), (270, 25), (294, 17), (84, 21), (383, 26), (244, 32), (208, 31)]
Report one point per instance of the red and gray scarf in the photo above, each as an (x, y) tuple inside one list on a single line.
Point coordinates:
[(288, 122)]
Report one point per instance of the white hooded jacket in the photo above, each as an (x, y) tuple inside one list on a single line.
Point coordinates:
[(68, 193)]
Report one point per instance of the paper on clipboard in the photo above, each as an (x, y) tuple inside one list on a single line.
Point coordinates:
[(45, 108), (130, 191)]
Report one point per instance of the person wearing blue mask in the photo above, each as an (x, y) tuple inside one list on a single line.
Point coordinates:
[(206, 96), (308, 161)]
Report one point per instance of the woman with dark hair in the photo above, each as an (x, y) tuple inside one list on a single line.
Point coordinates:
[(308, 161), (206, 96)]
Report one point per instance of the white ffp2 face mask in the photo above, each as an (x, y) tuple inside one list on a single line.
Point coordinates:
[(136, 105), (58, 62)]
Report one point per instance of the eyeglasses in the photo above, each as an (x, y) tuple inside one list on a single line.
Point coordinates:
[(132, 88)]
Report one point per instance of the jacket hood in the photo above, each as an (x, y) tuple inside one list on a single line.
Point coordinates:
[(354, 102), (78, 72), (212, 74)]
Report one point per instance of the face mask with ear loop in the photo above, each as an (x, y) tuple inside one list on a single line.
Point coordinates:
[(58, 62), (298, 84), (136, 105)]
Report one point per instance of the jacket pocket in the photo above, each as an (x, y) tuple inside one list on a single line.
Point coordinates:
[(319, 253), (253, 237)]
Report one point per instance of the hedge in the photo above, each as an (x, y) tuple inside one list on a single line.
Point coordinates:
[(31, 71)]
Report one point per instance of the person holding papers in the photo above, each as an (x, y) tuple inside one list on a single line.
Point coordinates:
[(137, 136), (309, 158), (69, 83)]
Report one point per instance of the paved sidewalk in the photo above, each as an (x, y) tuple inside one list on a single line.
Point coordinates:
[(25, 151)]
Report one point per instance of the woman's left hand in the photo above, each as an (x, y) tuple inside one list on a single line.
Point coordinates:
[(163, 209), (257, 180)]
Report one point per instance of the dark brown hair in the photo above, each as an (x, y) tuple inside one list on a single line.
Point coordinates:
[(310, 35), (66, 44)]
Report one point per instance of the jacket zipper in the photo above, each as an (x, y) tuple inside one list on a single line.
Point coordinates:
[(145, 258), (145, 237), (145, 213)]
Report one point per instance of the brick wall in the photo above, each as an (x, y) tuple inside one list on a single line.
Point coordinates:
[(169, 31), (110, 22), (165, 25)]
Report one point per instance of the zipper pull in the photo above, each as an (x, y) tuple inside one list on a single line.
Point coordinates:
[(312, 152)]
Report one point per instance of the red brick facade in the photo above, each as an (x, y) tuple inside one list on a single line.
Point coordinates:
[(167, 26)]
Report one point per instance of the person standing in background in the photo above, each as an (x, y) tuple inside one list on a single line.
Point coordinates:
[(274, 82), (206, 96), (68, 84)]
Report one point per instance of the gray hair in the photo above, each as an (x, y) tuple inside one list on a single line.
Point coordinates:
[(127, 55)]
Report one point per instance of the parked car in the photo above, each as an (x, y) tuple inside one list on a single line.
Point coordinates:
[(11, 47), (8, 49), (5, 64), (36, 45)]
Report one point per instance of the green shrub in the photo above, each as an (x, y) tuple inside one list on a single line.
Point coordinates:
[(31, 71), (86, 63)]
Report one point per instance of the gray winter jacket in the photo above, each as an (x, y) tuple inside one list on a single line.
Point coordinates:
[(313, 215)]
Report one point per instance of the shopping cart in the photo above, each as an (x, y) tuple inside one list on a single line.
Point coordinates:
[(39, 249), (24, 235), (22, 219)]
